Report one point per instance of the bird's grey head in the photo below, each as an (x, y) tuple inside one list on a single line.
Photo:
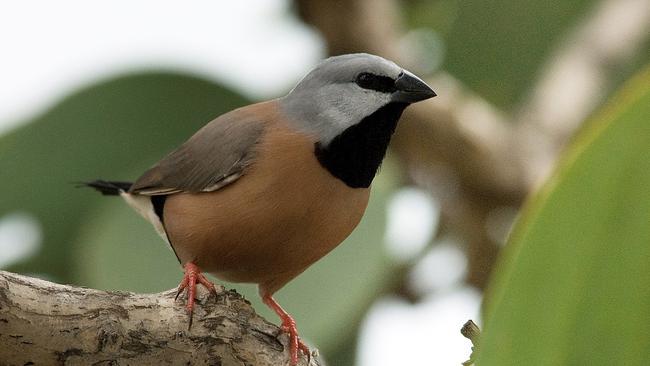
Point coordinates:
[(343, 90)]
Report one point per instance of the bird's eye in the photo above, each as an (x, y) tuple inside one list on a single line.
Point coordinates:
[(378, 83), (364, 78)]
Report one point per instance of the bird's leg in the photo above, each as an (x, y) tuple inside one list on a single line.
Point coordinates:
[(289, 326), (193, 276)]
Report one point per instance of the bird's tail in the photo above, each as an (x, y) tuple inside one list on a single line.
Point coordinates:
[(108, 188)]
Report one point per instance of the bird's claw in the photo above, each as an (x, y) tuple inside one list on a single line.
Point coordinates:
[(192, 277), (295, 344), (288, 326)]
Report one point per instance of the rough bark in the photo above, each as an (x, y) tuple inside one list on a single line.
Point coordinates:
[(42, 323)]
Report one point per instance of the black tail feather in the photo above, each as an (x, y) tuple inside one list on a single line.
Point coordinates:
[(108, 188)]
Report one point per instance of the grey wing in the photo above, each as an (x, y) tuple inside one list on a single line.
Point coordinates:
[(214, 157)]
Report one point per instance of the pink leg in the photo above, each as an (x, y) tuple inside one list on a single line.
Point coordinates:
[(193, 276), (289, 326)]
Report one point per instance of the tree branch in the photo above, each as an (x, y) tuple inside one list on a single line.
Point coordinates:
[(42, 323), (576, 78), (472, 332)]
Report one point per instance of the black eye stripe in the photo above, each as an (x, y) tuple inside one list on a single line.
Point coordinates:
[(379, 83)]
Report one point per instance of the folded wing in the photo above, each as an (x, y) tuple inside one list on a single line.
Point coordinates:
[(214, 157)]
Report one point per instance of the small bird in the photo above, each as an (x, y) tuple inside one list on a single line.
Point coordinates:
[(262, 192)]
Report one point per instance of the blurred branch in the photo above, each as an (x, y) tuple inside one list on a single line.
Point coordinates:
[(576, 79), (477, 160), (472, 332), (43, 323)]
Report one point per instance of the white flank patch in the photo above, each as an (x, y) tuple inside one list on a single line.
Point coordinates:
[(143, 206)]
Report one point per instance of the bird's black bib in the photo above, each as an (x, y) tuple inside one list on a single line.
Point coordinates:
[(355, 155)]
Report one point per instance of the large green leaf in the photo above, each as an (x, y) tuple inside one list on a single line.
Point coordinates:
[(573, 286), (104, 131)]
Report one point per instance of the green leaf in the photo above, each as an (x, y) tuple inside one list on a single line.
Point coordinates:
[(108, 131), (573, 284)]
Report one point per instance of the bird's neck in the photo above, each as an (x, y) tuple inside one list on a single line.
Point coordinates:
[(354, 156)]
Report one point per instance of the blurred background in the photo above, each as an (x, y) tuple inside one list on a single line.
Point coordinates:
[(94, 90)]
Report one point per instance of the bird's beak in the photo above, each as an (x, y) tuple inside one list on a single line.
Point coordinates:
[(411, 89)]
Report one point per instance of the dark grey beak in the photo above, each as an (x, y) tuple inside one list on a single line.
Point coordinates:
[(411, 89)]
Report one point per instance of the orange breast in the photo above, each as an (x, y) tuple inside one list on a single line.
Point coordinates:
[(284, 214)]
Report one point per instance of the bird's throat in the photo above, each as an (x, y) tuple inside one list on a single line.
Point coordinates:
[(355, 155)]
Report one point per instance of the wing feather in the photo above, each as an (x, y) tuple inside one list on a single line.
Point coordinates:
[(215, 156)]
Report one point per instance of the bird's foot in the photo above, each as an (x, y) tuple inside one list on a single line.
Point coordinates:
[(289, 327), (295, 344), (192, 277)]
